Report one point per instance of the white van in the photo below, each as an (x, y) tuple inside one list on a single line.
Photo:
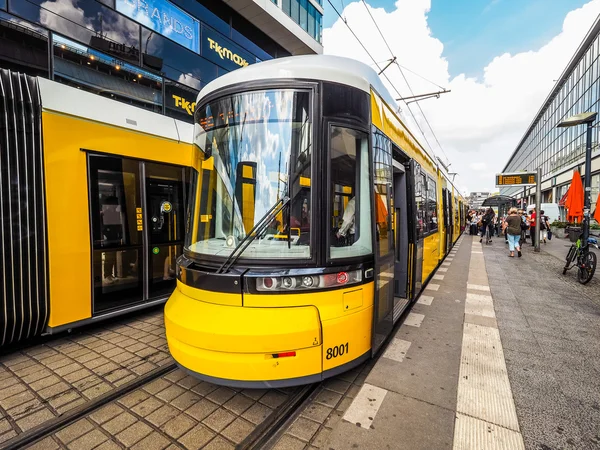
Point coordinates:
[(550, 209)]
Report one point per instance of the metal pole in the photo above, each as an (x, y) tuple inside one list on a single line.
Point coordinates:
[(538, 206), (523, 205), (588, 184)]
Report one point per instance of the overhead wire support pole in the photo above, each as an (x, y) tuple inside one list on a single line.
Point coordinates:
[(423, 96), (392, 61)]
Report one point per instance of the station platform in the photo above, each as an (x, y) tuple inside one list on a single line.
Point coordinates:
[(497, 353)]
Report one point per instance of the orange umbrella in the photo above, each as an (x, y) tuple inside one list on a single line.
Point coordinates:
[(597, 212), (381, 216), (574, 202)]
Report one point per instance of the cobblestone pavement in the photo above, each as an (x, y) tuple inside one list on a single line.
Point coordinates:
[(44, 380), (40, 382), (174, 411), (550, 330), (312, 427)]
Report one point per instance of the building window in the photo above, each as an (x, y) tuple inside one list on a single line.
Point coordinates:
[(295, 11), (303, 22), (23, 46), (311, 21), (287, 7), (90, 23), (102, 74), (179, 64)]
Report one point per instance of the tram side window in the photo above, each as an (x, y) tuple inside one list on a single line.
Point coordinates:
[(382, 179), (421, 202), (350, 232), (432, 219)]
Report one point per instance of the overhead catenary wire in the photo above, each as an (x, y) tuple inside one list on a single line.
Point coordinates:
[(379, 69), (407, 84)]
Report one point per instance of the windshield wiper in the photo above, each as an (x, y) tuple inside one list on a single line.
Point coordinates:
[(253, 233)]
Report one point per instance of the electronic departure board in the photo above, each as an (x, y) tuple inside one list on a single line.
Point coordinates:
[(516, 179)]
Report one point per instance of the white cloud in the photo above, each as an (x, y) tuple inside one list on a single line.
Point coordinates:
[(479, 123), (478, 166)]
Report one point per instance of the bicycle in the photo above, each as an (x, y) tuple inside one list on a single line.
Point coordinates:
[(586, 260)]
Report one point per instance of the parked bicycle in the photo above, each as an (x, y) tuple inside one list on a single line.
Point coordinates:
[(581, 257)]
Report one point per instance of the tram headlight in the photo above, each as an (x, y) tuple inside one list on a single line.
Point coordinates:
[(289, 282), (309, 282)]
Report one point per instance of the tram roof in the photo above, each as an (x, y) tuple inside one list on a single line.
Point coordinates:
[(306, 67)]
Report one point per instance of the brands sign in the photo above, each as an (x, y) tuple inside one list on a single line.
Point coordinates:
[(223, 52), (164, 18)]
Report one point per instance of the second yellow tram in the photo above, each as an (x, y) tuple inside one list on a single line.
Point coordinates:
[(315, 218)]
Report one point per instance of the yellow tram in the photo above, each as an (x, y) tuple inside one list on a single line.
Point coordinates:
[(315, 218), (92, 197)]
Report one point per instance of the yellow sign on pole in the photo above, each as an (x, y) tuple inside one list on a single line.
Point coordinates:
[(516, 179)]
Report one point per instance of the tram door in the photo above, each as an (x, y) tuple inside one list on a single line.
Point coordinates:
[(401, 240), (384, 232), (136, 212), (448, 232)]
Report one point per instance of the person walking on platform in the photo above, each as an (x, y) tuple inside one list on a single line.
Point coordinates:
[(487, 224), (524, 227), (532, 219), (544, 227), (512, 226)]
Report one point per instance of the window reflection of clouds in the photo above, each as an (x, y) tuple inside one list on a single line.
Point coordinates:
[(264, 137), (81, 23)]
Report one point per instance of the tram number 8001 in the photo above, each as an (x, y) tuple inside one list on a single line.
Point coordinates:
[(334, 352)]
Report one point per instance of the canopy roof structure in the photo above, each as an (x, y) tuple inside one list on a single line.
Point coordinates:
[(499, 200)]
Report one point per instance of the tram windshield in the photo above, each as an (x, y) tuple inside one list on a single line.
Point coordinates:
[(258, 150)]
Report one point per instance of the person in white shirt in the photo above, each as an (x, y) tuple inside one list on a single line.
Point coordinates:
[(347, 229)]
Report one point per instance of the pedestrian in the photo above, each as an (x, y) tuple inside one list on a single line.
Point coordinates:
[(512, 227), (524, 226), (532, 219), (487, 223), (544, 226)]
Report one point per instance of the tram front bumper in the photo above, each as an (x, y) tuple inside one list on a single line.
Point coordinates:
[(243, 346)]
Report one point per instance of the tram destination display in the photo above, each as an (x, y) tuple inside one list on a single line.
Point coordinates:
[(516, 179)]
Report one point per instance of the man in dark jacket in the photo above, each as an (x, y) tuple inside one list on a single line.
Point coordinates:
[(488, 224)]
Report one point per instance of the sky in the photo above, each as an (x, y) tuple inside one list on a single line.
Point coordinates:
[(499, 58)]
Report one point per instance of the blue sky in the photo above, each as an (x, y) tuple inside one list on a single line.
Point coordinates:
[(475, 31)]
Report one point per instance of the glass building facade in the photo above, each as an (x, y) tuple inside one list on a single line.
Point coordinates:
[(154, 54), (305, 14), (558, 151)]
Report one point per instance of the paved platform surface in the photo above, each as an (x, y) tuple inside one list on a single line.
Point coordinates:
[(513, 365), (550, 330)]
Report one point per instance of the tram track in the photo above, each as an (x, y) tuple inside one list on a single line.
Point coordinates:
[(265, 435), (53, 425)]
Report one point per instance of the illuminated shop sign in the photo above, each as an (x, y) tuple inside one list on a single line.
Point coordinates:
[(180, 100), (164, 18), (183, 104), (222, 51)]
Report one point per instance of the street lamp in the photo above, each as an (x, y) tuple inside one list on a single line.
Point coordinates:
[(580, 119)]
